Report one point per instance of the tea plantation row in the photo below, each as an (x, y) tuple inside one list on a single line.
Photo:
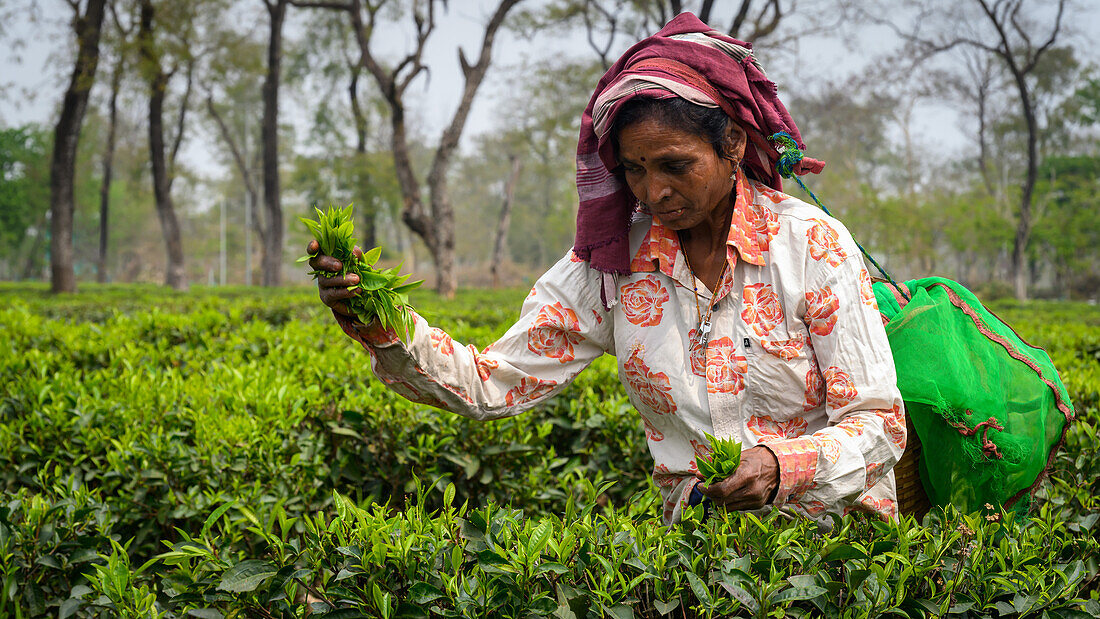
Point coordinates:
[(229, 454)]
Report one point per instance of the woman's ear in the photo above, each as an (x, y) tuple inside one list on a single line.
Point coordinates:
[(736, 138)]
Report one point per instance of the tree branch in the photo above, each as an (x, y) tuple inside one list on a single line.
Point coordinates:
[(760, 31), (1050, 41), (704, 11), (332, 6), (739, 18), (184, 104), (238, 158)]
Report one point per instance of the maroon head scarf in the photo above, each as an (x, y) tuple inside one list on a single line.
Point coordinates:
[(687, 59)]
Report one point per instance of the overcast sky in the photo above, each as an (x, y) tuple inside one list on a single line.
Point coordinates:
[(32, 86)]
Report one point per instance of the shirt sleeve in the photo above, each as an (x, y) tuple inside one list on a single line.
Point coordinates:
[(865, 436), (562, 328)]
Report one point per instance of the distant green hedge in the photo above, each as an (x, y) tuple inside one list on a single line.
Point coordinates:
[(130, 415)]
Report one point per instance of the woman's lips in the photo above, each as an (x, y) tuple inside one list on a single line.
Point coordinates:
[(671, 213)]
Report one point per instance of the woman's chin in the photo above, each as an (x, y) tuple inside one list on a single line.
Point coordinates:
[(675, 219)]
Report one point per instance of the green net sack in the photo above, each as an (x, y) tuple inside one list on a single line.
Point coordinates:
[(988, 408)]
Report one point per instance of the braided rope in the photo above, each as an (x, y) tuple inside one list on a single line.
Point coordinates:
[(789, 157)]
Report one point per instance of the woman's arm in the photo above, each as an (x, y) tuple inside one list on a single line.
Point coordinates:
[(561, 330), (866, 432)]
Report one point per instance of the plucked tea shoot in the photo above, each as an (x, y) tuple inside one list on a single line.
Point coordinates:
[(723, 460), (384, 292)]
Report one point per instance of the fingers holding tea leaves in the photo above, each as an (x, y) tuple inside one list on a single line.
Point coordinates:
[(337, 289), (321, 262), (750, 485), (347, 279)]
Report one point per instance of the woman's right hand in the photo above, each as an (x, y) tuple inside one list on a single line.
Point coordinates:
[(333, 290)]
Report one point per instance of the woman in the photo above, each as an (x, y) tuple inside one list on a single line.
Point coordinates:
[(732, 308)]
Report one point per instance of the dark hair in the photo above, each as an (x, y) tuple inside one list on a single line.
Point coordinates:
[(709, 123)]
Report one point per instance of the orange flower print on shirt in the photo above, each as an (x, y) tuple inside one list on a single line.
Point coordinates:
[(812, 507), (725, 368), (642, 301), (766, 226), (821, 307), (893, 422), (775, 196), (851, 426), (652, 388), (828, 447), (700, 449), (768, 430), (529, 389), (815, 387), (762, 308), (785, 349), (866, 291), (485, 365), (652, 433), (554, 332), (883, 508), (663, 478), (573, 257), (599, 319), (875, 471), (697, 354), (839, 388), (442, 342), (825, 243)]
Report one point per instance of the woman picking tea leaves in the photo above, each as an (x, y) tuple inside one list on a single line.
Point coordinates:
[(734, 310)]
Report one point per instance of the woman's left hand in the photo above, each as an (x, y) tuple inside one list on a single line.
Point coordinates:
[(751, 485)]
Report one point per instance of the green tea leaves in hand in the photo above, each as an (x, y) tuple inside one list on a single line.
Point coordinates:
[(383, 293), (723, 460)]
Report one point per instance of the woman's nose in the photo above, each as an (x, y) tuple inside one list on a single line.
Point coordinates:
[(656, 190)]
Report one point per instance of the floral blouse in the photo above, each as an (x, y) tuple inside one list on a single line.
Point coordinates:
[(797, 358)]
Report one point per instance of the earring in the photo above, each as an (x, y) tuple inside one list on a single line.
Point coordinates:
[(640, 207), (736, 167)]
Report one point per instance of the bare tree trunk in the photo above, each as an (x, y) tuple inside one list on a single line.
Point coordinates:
[(108, 170), (87, 28), (505, 219), (442, 212), (368, 211), (174, 275), (1021, 60), (435, 225), (272, 259), (31, 261), (357, 109)]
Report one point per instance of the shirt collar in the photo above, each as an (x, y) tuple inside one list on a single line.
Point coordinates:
[(661, 246)]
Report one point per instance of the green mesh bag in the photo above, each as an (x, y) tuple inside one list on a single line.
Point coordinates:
[(988, 408)]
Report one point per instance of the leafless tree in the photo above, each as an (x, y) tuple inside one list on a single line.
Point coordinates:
[(122, 33), (163, 157), (504, 219), (1007, 31), (432, 222), (87, 26)]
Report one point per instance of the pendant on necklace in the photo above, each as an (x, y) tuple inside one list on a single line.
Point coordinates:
[(703, 334)]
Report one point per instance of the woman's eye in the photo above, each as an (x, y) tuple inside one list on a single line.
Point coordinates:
[(678, 167)]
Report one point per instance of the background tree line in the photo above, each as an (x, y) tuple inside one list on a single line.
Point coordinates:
[(291, 103)]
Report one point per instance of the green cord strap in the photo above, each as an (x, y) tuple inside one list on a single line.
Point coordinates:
[(790, 156)]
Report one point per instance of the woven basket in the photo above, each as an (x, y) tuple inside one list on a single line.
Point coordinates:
[(912, 499)]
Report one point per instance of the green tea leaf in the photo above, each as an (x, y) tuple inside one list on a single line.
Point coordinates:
[(247, 576)]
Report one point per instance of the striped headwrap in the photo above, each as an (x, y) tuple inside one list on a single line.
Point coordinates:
[(685, 59)]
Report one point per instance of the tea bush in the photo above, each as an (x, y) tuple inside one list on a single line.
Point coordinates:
[(227, 453)]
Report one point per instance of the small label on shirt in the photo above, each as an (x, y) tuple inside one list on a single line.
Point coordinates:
[(748, 343)]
